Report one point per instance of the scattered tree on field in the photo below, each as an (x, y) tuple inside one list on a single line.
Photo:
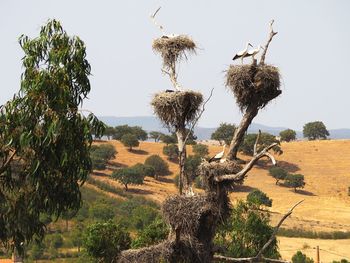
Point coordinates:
[(315, 130), (288, 135), (109, 132), (191, 165), (171, 151), (121, 130), (130, 140), (144, 169), (266, 139), (300, 257), (104, 241), (224, 133), (278, 173), (200, 150), (155, 135), (101, 154), (44, 139), (258, 198), (168, 139), (160, 166), (295, 181), (128, 176)]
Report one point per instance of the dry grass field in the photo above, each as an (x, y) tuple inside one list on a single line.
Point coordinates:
[(325, 165)]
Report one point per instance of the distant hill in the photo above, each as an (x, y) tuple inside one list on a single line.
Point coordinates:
[(150, 123)]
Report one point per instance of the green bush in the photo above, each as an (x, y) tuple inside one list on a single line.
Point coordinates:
[(299, 257), (171, 151), (130, 140), (145, 170), (160, 166), (278, 173), (201, 150), (258, 198), (101, 154), (128, 176), (288, 135), (295, 181), (101, 210)]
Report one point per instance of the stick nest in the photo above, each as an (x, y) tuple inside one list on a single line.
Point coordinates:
[(253, 84), (208, 171), (176, 109), (173, 49)]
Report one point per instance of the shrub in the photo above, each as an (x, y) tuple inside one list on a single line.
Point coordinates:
[(259, 198), (160, 166), (145, 170), (299, 257), (278, 173), (101, 210)]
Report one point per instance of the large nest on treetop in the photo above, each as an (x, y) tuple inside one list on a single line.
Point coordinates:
[(208, 171), (172, 49), (253, 84), (175, 109), (186, 250)]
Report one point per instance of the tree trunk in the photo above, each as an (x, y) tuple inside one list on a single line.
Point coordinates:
[(126, 187), (238, 136), (184, 181)]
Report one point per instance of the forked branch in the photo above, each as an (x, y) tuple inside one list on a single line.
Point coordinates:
[(152, 16), (271, 35)]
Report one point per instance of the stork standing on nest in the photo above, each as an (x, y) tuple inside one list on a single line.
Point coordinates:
[(253, 52), (242, 54), (218, 156)]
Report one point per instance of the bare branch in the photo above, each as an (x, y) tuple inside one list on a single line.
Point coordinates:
[(218, 258), (256, 142), (198, 117), (160, 27), (272, 34), (269, 155), (276, 229), (240, 175), (8, 161)]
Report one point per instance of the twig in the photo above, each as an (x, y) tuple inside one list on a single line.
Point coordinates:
[(276, 229), (272, 34), (198, 117), (160, 27), (256, 142)]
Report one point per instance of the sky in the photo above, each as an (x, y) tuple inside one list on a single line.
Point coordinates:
[(310, 49)]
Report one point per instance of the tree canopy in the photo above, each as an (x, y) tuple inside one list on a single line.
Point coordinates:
[(155, 135), (265, 139), (44, 139), (295, 181), (128, 176), (201, 150), (224, 133), (121, 130), (288, 135), (101, 154), (315, 130), (278, 173), (130, 140), (172, 151), (160, 166)]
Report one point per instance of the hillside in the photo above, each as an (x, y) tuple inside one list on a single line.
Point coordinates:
[(327, 175)]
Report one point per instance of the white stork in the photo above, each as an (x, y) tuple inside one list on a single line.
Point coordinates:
[(241, 54), (219, 155), (253, 52)]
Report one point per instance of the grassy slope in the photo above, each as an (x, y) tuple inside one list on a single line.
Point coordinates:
[(325, 165)]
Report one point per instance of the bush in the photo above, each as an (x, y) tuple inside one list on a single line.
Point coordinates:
[(299, 257), (101, 154), (145, 170), (101, 210), (200, 150), (295, 181), (160, 166), (130, 140), (278, 173), (288, 135), (171, 151), (128, 176), (104, 241), (259, 198)]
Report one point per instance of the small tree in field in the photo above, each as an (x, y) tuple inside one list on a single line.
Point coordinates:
[(160, 166), (266, 139), (128, 176), (315, 130), (288, 135), (200, 150), (104, 241), (300, 257), (259, 198), (168, 139), (171, 151), (156, 136), (295, 181), (224, 133), (278, 173), (130, 140), (144, 169), (101, 154)]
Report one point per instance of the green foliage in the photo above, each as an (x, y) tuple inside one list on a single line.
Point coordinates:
[(201, 150), (259, 198), (144, 169), (295, 181), (36, 251), (171, 151), (101, 210), (142, 216), (199, 183), (315, 130), (101, 154), (109, 132), (246, 232), (160, 166), (168, 139), (120, 131), (224, 133), (288, 135), (299, 257), (104, 241), (42, 127), (278, 173), (266, 139), (176, 180), (341, 261), (295, 232), (54, 241), (130, 140), (128, 176), (191, 165), (152, 234), (156, 136)]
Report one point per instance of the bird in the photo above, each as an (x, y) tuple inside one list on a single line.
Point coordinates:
[(170, 36), (219, 155), (241, 54), (169, 91), (253, 52)]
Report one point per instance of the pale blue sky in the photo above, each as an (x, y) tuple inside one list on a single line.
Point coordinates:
[(311, 50)]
